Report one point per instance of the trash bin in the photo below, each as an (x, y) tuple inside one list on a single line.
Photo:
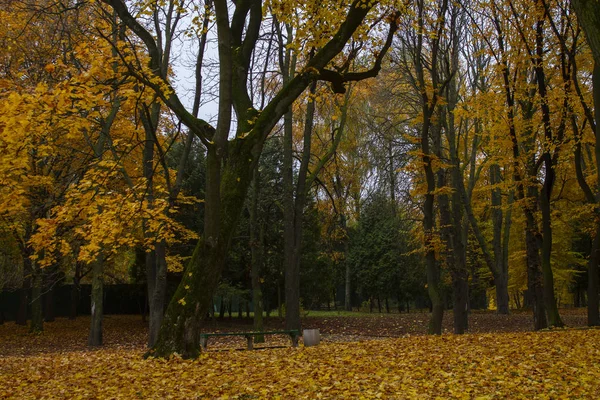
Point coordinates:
[(311, 337)]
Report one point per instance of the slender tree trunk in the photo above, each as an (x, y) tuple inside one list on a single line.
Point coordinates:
[(592, 289), (500, 278), (428, 106), (37, 320), (97, 311), (222, 308), (24, 294), (74, 298), (279, 302), (292, 275), (49, 314), (347, 268), (257, 247), (157, 290)]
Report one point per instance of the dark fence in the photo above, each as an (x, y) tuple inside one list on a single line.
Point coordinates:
[(118, 299)]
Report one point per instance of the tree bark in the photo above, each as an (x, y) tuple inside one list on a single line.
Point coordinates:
[(37, 320), (257, 249), (74, 298), (157, 291), (49, 314), (500, 271), (347, 269), (593, 281), (428, 105), (534, 277), (24, 294), (592, 289), (97, 311), (589, 18)]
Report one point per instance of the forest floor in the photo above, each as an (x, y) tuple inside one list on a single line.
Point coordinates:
[(360, 356)]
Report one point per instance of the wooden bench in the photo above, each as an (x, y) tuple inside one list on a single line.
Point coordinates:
[(293, 334)]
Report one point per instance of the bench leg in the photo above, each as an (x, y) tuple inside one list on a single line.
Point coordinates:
[(250, 340), (203, 343)]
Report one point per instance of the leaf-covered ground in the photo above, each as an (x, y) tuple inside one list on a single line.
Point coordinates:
[(56, 364)]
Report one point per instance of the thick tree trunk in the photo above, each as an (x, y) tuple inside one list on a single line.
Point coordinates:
[(502, 296), (97, 304), (593, 285), (589, 18), (554, 319), (225, 194), (534, 278)]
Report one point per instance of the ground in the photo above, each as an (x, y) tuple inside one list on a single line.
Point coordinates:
[(361, 356)]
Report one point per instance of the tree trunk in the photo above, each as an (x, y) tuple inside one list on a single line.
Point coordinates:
[(257, 249), (502, 297), (593, 285), (222, 308), (37, 320), (49, 314), (156, 272), (97, 312), (21, 317), (292, 258), (74, 298), (500, 277), (229, 162), (554, 319), (347, 269), (225, 194), (429, 102), (589, 18), (347, 287), (592, 289), (534, 278)]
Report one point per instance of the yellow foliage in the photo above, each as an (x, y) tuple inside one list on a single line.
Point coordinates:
[(543, 365)]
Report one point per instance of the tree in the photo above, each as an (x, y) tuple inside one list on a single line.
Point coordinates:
[(587, 14), (230, 162)]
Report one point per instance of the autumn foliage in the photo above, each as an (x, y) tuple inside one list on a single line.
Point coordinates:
[(554, 364)]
